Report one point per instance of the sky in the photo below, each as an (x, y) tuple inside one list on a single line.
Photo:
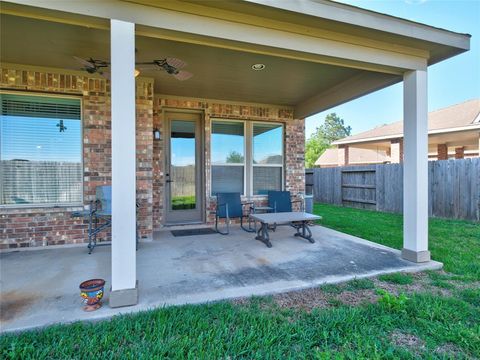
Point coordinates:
[(451, 81)]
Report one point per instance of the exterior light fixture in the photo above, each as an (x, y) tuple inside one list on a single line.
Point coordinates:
[(137, 72), (258, 67), (156, 134)]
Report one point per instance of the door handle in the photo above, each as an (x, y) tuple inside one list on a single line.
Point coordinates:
[(169, 181)]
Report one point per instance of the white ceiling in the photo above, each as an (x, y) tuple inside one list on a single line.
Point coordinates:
[(218, 73)]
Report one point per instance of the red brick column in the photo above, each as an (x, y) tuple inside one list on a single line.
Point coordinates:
[(442, 152), (144, 149), (459, 152)]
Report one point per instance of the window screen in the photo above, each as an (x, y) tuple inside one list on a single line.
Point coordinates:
[(40, 150), (228, 156)]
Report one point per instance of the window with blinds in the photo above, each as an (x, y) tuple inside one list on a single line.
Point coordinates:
[(246, 156), (228, 156), (40, 150), (267, 157)]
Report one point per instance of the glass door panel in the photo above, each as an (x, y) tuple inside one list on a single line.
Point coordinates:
[(183, 165), (184, 186)]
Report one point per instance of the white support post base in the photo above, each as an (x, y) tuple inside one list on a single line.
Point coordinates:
[(124, 291), (415, 173)]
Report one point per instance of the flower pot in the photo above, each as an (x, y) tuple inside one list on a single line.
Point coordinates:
[(91, 292)]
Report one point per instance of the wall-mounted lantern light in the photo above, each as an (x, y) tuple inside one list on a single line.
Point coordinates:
[(156, 134)]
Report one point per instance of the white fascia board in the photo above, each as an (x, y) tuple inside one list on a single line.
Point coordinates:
[(234, 31), (370, 19), (397, 136)]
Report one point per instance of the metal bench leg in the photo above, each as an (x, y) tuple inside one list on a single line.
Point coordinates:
[(90, 245), (305, 233), (262, 235)]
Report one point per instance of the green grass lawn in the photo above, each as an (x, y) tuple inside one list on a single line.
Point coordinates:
[(453, 242), (415, 316)]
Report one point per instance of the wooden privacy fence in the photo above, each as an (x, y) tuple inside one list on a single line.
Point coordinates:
[(453, 185)]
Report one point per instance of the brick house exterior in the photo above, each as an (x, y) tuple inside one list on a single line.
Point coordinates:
[(43, 225)]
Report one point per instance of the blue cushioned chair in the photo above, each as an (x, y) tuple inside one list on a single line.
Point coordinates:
[(281, 201), (230, 206)]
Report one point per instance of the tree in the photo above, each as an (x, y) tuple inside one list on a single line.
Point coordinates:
[(234, 157), (332, 129)]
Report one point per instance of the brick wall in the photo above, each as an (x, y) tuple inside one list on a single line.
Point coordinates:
[(442, 152), (459, 152), (42, 226), (294, 144)]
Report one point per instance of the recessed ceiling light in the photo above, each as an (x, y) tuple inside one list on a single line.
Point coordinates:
[(258, 67)]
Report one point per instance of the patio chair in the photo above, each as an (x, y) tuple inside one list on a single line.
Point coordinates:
[(281, 201), (99, 215), (229, 206)]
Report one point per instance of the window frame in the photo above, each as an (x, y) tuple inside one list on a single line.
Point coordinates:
[(248, 155), (245, 163), (282, 165), (80, 203)]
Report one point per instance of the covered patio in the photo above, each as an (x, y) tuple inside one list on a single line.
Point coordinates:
[(254, 63), (188, 270)]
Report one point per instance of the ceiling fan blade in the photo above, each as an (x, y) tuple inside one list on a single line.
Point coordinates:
[(84, 62), (183, 75), (176, 63)]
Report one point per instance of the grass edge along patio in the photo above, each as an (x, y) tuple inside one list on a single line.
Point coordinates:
[(241, 56)]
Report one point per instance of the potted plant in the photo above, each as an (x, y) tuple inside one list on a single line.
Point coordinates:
[(91, 292)]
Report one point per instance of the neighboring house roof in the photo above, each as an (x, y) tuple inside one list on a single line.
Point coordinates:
[(457, 117), (356, 156)]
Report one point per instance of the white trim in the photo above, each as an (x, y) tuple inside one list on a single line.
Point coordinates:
[(357, 16), (78, 97), (282, 165), (212, 119), (248, 154)]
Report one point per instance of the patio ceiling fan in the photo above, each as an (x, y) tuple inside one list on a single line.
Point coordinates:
[(94, 66), (171, 66)]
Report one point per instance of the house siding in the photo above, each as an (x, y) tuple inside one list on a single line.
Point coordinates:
[(42, 226)]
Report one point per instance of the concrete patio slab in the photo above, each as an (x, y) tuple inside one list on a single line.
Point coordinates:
[(40, 287)]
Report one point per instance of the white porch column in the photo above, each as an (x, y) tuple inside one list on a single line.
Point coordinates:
[(415, 170), (122, 56)]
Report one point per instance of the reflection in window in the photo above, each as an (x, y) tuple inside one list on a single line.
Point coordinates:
[(228, 156), (182, 148), (267, 157), (267, 144), (40, 150)]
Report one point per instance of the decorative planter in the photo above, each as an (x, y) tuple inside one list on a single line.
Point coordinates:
[(91, 292)]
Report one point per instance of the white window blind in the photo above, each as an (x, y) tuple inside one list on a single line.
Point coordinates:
[(40, 150)]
